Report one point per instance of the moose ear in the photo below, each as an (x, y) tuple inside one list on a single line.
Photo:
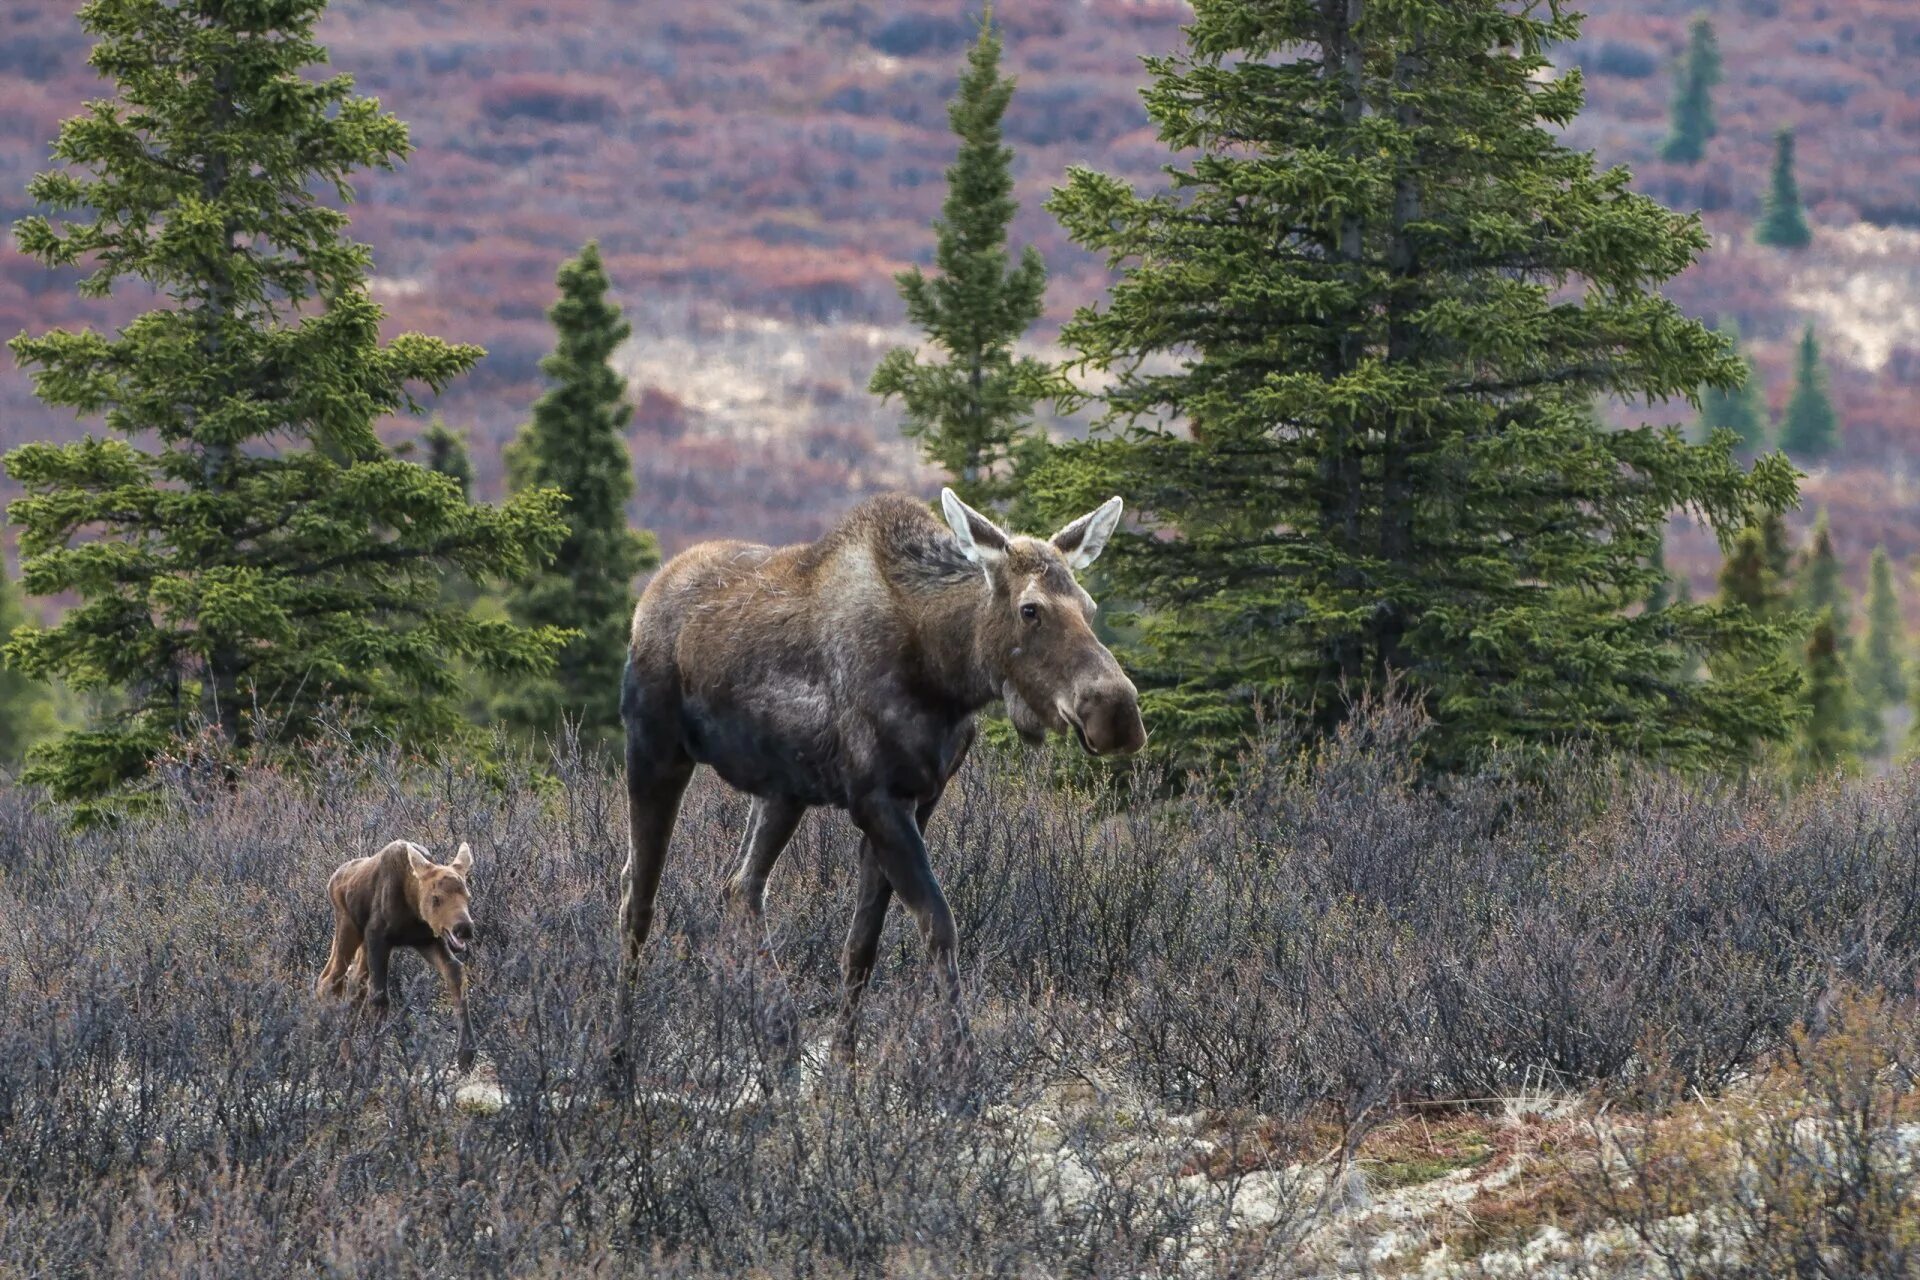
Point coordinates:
[(463, 860), (981, 539), (418, 860), (1082, 541)]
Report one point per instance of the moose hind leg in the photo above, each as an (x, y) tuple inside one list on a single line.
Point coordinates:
[(770, 826), (657, 774), (346, 949)]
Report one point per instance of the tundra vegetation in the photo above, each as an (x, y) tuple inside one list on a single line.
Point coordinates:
[(1485, 905), (1187, 1014)]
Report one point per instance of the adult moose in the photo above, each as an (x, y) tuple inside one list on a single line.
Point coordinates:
[(847, 672)]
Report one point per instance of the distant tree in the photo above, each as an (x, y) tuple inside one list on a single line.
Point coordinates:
[(1783, 222), (972, 411), (1356, 423), (1692, 115), (1822, 579), (1660, 592), (26, 705), (242, 547), (1749, 581), (447, 454), (576, 443), (1883, 677), (1830, 734), (1811, 428), (1741, 410)]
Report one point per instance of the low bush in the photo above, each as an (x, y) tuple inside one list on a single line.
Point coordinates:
[(1298, 952)]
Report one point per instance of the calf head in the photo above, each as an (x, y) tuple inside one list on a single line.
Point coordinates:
[(442, 896), (1036, 630)]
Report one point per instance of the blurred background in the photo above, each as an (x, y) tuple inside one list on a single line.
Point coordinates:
[(757, 170)]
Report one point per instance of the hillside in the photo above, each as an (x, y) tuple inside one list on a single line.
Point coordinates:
[(756, 170)]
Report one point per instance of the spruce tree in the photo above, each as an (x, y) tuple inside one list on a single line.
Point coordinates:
[(26, 705), (1660, 592), (972, 410), (1822, 580), (1882, 677), (1692, 115), (447, 455), (1350, 395), (1749, 581), (1783, 223), (1829, 735), (1741, 410), (1811, 429), (576, 443), (242, 547)]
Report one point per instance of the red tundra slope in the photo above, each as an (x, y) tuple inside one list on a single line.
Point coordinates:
[(756, 170)]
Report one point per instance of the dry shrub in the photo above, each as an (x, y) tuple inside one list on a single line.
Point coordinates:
[(1809, 1169), (1294, 956)]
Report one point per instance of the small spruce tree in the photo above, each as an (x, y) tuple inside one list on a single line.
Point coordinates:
[(1822, 580), (1692, 115), (972, 410), (1741, 410), (1830, 735), (446, 454), (1783, 222), (1883, 677), (576, 443), (242, 547), (1810, 429)]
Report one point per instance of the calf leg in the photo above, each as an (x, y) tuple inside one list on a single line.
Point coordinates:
[(455, 975), (346, 950)]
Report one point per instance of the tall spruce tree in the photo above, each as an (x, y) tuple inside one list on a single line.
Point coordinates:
[(1350, 400), (1692, 115), (1811, 428), (1741, 410), (242, 547), (1830, 732), (576, 443), (1783, 222), (972, 410), (1882, 676)]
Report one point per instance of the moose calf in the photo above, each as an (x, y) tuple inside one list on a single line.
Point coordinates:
[(399, 897)]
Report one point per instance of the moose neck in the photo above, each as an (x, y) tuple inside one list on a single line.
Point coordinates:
[(957, 642)]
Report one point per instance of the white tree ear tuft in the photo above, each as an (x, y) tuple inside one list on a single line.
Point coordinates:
[(1082, 541), (419, 861), (981, 539), (463, 860)]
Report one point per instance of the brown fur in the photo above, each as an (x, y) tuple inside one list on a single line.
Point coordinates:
[(847, 672), (398, 897)]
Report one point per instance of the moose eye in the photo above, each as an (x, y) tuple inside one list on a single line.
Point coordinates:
[(436, 899), (1031, 612)]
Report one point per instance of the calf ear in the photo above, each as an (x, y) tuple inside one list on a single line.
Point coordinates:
[(418, 860), (1082, 541), (463, 860), (981, 539)]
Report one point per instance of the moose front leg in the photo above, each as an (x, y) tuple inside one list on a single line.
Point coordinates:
[(454, 974), (889, 824)]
